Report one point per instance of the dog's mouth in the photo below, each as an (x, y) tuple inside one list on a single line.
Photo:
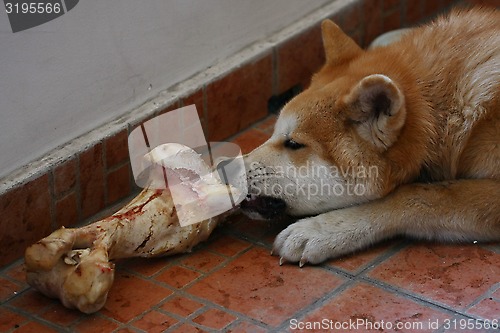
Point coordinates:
[(263, 207)]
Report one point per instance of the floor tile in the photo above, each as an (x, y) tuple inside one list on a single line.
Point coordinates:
[(154, 322), (186, 328), (35, 327), (267, 125), (202, 260), (228, 246), (246, 327), (261, 231), (181, 306), (489, 306), (33, 302), (215, 319), (355, 262), (17, 272), (250, 139), (454, 275), (131, 296), (145, 266), (366, 308), (125, 330), (10, 320), (95, 323), (60, 315), (177, 276), (258, 287), (8, 289)]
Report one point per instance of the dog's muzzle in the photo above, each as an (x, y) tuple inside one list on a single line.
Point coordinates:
[(263, 207)]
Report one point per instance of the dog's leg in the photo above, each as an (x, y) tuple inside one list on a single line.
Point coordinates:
[(462, 210)]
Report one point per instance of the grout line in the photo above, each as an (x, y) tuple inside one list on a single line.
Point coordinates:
[(105, 172), (181, 292), (117, 166), (488, 294), (317, 304), (370, 265), (420, 299), (275, 70), (52, 200), (204, 102), (350, 280), (37, 318), (389, 253), (78, 189)]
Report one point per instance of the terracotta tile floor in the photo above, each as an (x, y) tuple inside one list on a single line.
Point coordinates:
[(232, 284)]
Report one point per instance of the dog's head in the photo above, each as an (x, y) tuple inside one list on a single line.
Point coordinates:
[(328, 146)]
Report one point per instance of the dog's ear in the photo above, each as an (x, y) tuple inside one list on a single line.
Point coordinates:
[(377, 110), (338, 46)]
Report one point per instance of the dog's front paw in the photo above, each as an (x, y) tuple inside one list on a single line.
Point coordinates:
[(306, 241)]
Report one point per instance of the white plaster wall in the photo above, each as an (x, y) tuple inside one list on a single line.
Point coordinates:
[(105, 57)]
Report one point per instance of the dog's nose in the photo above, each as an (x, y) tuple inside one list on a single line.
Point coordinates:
[(266, 207)]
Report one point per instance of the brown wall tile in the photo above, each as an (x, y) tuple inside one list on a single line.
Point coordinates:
[(65, 177), (66, 211), (239, 99), (431, 7), (391, 4), (373, 20), (298, 58), (117, 149), (92, 181), (118, 184), (196, 98), (137, 122), (413, 12), (351, 17), (358, 37), (173, 106), (25, 218), (391, 21)]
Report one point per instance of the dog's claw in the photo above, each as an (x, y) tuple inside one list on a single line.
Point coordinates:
[(272, 252), (302, 262), (282, 261)]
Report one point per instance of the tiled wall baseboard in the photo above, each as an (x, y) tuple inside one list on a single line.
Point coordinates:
[(91, 173)]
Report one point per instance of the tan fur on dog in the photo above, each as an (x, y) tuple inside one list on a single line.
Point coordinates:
[(423, 112)]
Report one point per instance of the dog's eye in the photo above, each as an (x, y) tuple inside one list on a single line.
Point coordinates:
[(293, 145)]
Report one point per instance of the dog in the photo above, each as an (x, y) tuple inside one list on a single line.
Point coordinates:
[(397, 140)]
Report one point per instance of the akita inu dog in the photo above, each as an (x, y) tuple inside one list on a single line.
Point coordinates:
[(397, 140)]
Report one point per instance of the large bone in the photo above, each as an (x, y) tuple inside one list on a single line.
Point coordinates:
[(73, 264)]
